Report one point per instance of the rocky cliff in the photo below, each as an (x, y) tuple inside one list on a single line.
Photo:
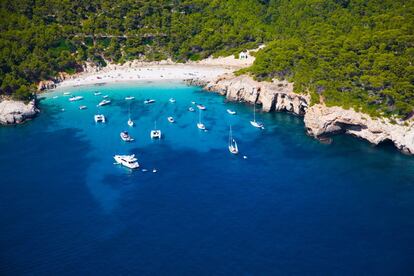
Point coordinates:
[(320, 120), (16, 112), (272, 96)]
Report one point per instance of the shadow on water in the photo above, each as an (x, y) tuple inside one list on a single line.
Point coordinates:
[(44, 201)]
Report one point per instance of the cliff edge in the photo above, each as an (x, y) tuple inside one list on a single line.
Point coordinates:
[(320, 120)]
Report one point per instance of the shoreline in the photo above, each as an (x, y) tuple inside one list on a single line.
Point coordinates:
[(206, 70), (217, 76)]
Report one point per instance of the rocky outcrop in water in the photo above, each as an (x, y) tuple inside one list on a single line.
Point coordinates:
[(16, 112), (320, 120)]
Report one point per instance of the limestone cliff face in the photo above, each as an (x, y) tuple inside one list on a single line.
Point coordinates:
[(320, 120), (273, 96), (16, 112)]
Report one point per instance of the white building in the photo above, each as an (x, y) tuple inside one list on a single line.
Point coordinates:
[(243, 55)]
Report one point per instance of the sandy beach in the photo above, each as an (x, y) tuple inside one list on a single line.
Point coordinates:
[(206, 69)]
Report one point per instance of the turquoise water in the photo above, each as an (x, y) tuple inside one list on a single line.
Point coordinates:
[(294, 206)]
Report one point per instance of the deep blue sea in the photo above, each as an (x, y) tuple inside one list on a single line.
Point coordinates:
[(293, 207)]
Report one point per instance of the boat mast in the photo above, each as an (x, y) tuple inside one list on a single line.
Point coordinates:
[(230, 137), (254, 112)]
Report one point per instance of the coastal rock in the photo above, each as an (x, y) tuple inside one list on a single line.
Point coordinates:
[(16, 112), (321, 120), (46, 84), (273, 96)]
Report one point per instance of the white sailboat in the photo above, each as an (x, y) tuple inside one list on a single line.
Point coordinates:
[(155, 133), (130, 122), (200, 125), (232, 144), (254, 123)]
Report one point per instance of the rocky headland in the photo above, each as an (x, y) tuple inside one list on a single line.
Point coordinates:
[(320, 121), (16, 112)]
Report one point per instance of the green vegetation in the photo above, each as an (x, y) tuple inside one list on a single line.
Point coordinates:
[(349, 53)]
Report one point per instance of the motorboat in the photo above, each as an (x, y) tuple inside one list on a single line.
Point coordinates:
[(149, 101), (232, 144), (104, 102), (172, 100), (130, 122), (200, 125), (193, 102), (100, 118), (170, 119), (129, 161), (106, 96), (126, 137), (201, 107), (129, 98), (191, 109), (254, 122), (231, 112), (82, 107), (55, 97), (97, 93), (66, 93), (155, 133), (75, 98)]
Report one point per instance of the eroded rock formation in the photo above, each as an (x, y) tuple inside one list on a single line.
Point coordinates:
[(16, 112), (320, 120)]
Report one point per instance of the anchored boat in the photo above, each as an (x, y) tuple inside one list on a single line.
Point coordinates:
[(254, 123), (100, 118), (232, 143), (126, 137), (129, 161), (104, 102), (155, 133)]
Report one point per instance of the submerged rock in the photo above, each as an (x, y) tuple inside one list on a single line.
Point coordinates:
[(16, 112)]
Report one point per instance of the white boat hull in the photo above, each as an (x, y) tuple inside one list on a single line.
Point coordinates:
[(155, 134), (128, 161), (256, 124), (201, 126)]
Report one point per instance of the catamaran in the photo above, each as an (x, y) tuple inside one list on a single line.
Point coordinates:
[(126, 137), (200, 125), (104, 102), (129, 161), (232, 144), (99, 118), (155, 133), (254, 123)]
